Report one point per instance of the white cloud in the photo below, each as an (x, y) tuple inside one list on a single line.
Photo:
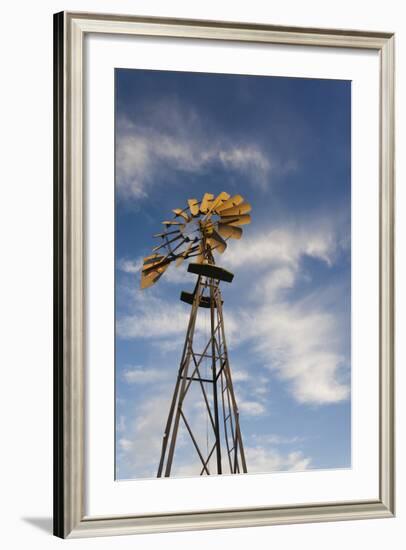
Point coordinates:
[(175, 137), (158, 319), (248, 159), (139, 447), (259, 460), (239, 375), (301, 339), (303, 348), (178, 274), (121, 424), (251, 408), (249, 401), (174, 344), (276, 439), (125, 444), (264, 459), (152, 318), (285, 246), (143, 375), (132, 165), (130, 266)]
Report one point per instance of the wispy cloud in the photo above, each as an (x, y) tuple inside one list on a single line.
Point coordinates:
[(161, 320), (259, 460), (130, 266), (139, 446), (143, 375), (287, 244), (265, 459), (251, 408), (303, 348), (301, 339), (152, 318), (175, 137), (276, 439)]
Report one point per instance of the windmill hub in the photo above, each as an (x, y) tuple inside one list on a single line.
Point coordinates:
[(191, 229), (196, 231)]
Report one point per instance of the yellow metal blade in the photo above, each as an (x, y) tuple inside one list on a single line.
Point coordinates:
[(216, 242), (236, 220), (233, 201), (229, 231), (148, 279), (149, 261), (180, 212), (156, 267), (193, 206), (238, 210), (206, 202), (151, 257), (222, 197), (146, 282)]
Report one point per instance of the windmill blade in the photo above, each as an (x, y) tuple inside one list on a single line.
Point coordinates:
[(238, 210), (206, 202), (148, 278), (236, 220), (220, 199), (158, 267), (151, 260), (149, 268), (173, 222), (182, 213), (229, 231), (217, 242), (193, 206), (233, 201)]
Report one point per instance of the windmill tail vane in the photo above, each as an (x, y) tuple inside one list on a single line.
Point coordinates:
[(195, 233)]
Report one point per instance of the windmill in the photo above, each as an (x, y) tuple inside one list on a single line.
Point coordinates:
[(195, 233)]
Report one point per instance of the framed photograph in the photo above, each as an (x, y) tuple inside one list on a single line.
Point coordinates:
[(224, 275)]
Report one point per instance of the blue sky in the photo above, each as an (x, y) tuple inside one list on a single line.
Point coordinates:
[(284, 144)]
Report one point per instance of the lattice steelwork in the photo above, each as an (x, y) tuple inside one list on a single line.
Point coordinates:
[(196, 232)]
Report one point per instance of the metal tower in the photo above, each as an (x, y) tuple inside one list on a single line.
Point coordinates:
[(221, 406), (202, 228)]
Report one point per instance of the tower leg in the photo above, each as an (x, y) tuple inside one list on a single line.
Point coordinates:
[(232, 417), (214, 373), (179, 388)]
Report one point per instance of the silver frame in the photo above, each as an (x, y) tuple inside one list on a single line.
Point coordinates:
[(70, 30)]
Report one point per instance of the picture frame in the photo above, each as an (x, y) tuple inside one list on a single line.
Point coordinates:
[(70, 517)]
